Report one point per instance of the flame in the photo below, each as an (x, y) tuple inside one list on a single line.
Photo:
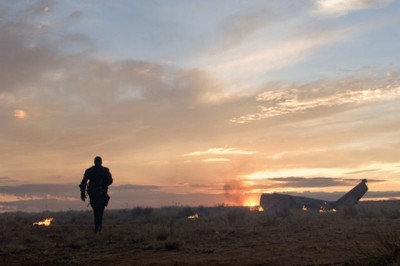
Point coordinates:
[(45, 222), (256, 208), (194, 216), (304, 208), (322, 210), (253, 206)]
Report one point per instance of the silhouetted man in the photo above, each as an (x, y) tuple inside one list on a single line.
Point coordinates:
[(99, 179)]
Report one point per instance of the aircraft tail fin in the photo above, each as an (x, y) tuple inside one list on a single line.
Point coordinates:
[(353, 196)]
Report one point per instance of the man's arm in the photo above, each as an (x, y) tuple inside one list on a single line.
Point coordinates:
[(83, 184), (109, 177)]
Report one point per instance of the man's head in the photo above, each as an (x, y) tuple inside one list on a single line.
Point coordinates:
[(98, 161)]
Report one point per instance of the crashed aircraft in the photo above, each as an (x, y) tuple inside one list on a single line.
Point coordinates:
[(276, 201)]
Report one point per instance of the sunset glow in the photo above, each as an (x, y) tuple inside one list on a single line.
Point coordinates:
[(198, 102), (253, 205), (19, 114)]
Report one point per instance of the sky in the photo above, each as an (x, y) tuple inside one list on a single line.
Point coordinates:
[(198, 102)]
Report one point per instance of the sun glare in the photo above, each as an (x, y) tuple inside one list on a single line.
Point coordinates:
[(19, 114), (250, 203)]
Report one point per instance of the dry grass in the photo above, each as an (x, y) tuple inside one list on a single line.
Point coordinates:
[(384, 250), (365, 235)]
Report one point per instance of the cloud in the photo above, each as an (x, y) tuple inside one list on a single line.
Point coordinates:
[(208, 160), (35, 9), (362, 171), (220, 151), (259, 56), (40, 190), (320, 182), (383, 195), (95, 105), (34, 43), (310, 182), (343, 7), (57, 197), (253, 44), (68, 191), (235, 28), (23, 55), (300, 183), (76, 16), (136, 187), (279, 103)]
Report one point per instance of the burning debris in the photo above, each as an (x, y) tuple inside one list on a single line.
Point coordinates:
[(45, 222), (323, 210), (194, 216), (256, 208), (275, 201)]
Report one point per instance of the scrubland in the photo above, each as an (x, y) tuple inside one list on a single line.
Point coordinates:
[(368, 234)]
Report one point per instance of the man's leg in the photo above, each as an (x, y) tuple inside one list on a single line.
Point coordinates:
[(95, 206), (100, 212)]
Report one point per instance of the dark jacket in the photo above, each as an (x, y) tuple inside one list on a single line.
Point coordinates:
[(97, 179)]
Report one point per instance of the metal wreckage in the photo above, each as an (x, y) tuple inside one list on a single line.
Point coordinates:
[(275, 201)]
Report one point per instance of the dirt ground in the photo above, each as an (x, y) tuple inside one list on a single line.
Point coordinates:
[(366, 235)]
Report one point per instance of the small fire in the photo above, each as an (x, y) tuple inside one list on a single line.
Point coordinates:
[(194, 216), (256, 208), (45, 222), (304, 208), (322, 210)]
